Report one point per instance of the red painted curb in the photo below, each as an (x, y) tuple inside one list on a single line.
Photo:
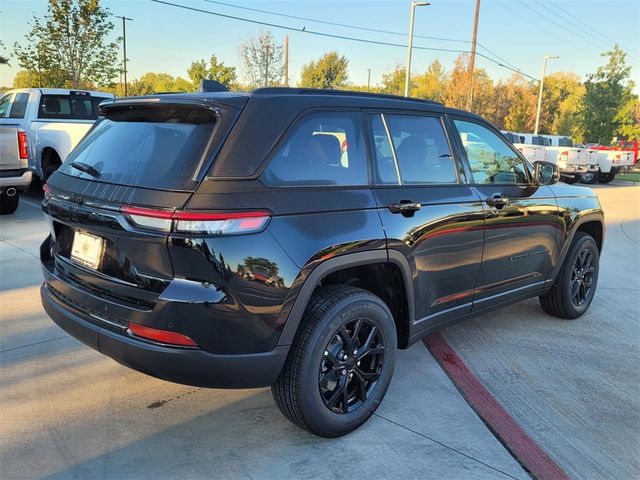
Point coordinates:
[(512, 436)]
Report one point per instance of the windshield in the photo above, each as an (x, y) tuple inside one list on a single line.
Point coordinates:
[(146, 147)]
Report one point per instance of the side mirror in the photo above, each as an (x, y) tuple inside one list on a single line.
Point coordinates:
[(546, 173)]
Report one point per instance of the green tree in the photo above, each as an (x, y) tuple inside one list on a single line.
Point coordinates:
[(629, 119), (151, 82), (560, 88), (3, 60), (457, 92), (70, 45), (329, 71), (218, 71), (607, 92), (393, 81), (431, 84), (26, 79), (521, 101), (262, 60)]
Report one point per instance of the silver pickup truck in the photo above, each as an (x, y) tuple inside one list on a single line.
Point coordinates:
[(38, 129)]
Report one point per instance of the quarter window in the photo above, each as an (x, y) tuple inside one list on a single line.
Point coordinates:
[(321, 149), (411, 149), (491, 160), (5, 102)]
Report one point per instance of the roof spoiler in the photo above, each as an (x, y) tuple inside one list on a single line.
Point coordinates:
[(208, 86)]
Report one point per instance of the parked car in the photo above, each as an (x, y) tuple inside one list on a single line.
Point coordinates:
[(39, 127), (196, 242)]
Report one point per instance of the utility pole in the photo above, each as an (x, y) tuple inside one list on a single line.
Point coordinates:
[(124, 50), (544, 71), (414, 4), (286, 60), (472, 63), (368, 79)]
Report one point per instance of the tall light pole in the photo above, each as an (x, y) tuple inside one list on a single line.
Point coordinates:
[(124, 49), (368, 79), (544, 70), (414, 4)]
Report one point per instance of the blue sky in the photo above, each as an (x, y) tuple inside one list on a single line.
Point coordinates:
[(163, 38)]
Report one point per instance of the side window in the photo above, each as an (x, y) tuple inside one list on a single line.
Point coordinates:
[(419, 152), (19, 106), (321, 149), (67, 106), (491, 160), (5, 103)]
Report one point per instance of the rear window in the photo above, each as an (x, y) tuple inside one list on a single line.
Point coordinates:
[(156, 147), (72, 107)]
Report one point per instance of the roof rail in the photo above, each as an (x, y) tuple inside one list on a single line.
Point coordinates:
[(326, 91)]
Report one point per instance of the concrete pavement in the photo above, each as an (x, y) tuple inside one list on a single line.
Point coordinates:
[(573, 386), (68, 412)]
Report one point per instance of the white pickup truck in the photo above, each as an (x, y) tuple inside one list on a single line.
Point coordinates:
[(532, 152), (609, 163), (38, 129)]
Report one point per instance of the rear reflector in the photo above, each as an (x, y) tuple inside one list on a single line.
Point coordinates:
[(197, 222), (162, 336), (22, 145)]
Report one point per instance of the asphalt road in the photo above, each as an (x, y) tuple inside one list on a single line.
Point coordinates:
[(68, 412)]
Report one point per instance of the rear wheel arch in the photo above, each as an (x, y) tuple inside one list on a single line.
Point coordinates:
[(363, 270), (50, 161)]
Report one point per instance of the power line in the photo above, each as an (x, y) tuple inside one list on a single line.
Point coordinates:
[(341, 37), (358, 27), (612, 41), (582, 31)]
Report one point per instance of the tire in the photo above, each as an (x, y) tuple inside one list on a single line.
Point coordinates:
[(9, 205), (559, 301), (569, 180), (606, 177), (308, 389), (589, 178)]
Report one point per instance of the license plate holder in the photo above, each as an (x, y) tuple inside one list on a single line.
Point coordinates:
[(87, 249)]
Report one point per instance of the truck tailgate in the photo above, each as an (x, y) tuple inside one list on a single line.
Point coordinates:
[(9, 150)]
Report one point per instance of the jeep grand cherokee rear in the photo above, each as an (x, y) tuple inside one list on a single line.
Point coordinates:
[(297, 238)]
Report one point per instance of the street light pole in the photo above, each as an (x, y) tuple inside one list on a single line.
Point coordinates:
[(544, 71), (124, 50), (414, 4), (368, 79)]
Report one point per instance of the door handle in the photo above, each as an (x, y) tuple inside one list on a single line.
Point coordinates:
[(497, 201), (405, 207)]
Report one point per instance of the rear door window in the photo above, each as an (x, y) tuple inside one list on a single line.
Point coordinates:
[(411, 150), (321, 149), (155, 147), (19, 105)]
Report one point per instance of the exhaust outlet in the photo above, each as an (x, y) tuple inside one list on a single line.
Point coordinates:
[(10, 192)]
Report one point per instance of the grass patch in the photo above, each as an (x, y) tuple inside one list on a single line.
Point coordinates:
[(630, 177)]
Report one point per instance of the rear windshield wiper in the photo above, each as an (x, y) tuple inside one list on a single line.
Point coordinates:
[(83, 167)]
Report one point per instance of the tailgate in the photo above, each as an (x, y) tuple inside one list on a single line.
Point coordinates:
[(9, 149)]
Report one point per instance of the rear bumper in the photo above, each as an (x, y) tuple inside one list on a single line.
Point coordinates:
[(189, 366), (20, 182)]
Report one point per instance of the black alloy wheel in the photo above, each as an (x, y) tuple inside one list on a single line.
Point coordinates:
[(352, 365), (582, 278)]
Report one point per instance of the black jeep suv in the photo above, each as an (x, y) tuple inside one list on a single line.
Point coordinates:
[(297, 238)]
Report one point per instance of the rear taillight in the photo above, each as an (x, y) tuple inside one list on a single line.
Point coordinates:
[(197, 222), (22, 145), (161, 336)]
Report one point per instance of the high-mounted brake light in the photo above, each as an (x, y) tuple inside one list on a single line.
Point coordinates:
[(22, 145), (198, 222), (161, 336)]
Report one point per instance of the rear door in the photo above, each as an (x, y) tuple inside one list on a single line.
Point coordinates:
[(522, 224), (429, 212), (110, 202)]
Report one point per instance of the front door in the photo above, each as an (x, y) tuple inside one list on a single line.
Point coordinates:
[(429, 212), (521, 217)]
